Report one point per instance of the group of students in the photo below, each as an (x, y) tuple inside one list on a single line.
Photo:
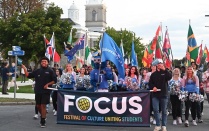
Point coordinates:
[(98, 80)]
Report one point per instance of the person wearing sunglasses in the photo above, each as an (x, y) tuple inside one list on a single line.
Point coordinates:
[(100, 75)]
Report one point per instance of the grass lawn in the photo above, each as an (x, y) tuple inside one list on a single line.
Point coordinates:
[(22, 89), (15, 100)]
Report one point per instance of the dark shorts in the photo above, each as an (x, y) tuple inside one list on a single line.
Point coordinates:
[(42, 98)]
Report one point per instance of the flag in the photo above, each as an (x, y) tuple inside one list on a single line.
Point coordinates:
[(145, 61), (47, 53), (79, 45), (167, 51), (158, 52), (81, 42), (45, 40), (192, 45), (49, 50), (166, 44), (157, 39), (72, 51), (110, 51), (152, 45), (69, 41), (198, 60), (133, 56), (56, 57), (121, 48), (88, 55), (206, 54)]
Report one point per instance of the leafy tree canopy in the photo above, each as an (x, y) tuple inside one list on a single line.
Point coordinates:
[(27, 31)]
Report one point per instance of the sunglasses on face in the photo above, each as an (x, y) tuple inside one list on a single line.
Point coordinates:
[(97, 60)]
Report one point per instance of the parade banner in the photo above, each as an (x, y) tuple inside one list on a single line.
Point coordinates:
[(103, 108)]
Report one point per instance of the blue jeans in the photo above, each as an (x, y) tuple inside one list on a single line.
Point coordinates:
[(161, 102)]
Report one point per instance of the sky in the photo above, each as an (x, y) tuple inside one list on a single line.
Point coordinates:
[(144, 16)]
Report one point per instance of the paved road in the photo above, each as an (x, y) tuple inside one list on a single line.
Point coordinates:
[(19, 118)]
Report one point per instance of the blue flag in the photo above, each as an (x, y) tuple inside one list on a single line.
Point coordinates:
[(81, 42), (133, 56), (72, 51), (110, 51)]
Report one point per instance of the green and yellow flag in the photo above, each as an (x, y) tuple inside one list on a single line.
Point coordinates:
[(192, 45)]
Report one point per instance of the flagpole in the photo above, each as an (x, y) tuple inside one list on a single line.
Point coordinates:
[(101, 59), (170, 45), (162, 31), (45, 41), (160, 43), (84, 50), (202, 54), (53, 39)]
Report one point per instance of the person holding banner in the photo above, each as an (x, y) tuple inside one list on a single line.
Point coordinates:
[(152, 69), (159, 80), (44, 78), (68, 78), (58, 73), (100, 75), (79, 85), (132, 81)]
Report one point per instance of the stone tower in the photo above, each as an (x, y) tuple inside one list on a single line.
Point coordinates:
[(73, 13), (95, 15)]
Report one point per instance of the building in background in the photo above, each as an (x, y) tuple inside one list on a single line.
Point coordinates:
[(95, 23)]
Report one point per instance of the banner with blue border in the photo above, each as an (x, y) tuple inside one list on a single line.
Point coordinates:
[(103, 108)]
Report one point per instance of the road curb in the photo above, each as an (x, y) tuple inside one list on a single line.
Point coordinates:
[(17, 103)]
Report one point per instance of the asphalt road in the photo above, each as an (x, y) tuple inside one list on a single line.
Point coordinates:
[(20, 118)]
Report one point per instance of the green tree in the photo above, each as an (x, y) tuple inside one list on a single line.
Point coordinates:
[(27, 30), (127, 37), (9, 7)]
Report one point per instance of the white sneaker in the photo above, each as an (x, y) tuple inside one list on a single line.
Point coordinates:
[(157, 128), (55, 113), (202, 113), (164, 128), (154, 122), (151, 119), (35, 116), (194, 122), (186, 123), (179, 120), (174, 122), (53, 110)]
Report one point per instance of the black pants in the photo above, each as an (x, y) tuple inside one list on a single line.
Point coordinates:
[(190, 105), (4, 86), (54, 100), (176, 106)]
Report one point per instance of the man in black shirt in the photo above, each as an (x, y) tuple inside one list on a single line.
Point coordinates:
[(159, 80), (44, 78)]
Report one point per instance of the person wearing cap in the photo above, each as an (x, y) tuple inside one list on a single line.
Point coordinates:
[(44, 77), (100, 75), (159, 80)]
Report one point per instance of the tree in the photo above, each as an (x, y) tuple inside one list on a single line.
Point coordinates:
[(9, 7), (127, 37), (27, 30)]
